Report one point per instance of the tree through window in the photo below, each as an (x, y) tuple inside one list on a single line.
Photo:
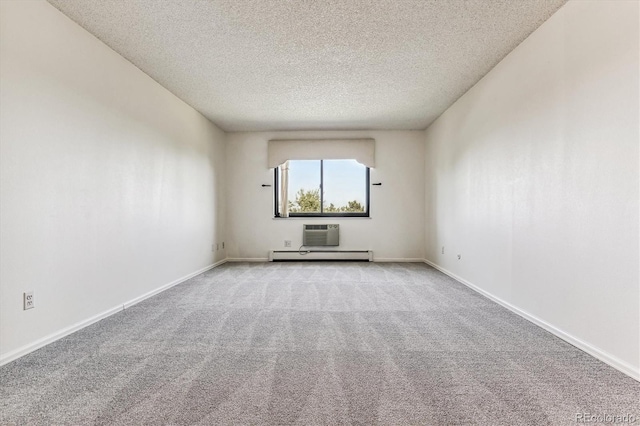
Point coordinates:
[(322, 188)]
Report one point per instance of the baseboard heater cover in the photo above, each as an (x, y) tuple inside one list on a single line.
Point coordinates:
[(363, 255)]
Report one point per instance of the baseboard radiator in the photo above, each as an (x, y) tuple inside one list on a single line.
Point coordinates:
[(306, 255)]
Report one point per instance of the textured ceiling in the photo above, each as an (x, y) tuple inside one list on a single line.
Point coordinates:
[(313, 64)]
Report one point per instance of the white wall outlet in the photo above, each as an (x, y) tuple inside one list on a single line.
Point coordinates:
[(459, 257), (442, 249), (287, 243), (28, 300), (213, 247)]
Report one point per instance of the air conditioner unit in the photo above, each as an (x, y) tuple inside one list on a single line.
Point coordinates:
[(320, 235)]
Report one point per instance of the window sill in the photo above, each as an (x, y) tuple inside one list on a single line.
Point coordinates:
[(324, 218)]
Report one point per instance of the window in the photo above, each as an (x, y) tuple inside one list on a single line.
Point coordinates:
[(305, 188)]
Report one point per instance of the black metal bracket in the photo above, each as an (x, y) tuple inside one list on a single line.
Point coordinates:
[(377, 184)]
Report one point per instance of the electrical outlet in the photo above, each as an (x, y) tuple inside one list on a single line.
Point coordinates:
[(459, 257), (213, 247), (442, 249), (287, 243), (29, 301)]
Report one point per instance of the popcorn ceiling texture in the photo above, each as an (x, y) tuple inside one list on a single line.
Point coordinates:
[(295, 64)]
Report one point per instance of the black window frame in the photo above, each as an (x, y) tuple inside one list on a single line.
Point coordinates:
[(366, 213)]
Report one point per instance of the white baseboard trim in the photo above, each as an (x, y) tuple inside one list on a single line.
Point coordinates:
[(24, 350), (247, 259), (139, 299), (375, 259), (398, 259), (603, 356)]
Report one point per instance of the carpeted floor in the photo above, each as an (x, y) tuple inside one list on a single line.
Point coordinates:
[(313, 343)]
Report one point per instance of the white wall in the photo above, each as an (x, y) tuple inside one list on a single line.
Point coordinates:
[(394, 231), (532, 176), (110, 185)]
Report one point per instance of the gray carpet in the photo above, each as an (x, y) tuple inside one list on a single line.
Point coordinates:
[(313, 343)]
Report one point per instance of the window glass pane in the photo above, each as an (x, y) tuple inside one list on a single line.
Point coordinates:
[(344, 186), (304, 186)]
